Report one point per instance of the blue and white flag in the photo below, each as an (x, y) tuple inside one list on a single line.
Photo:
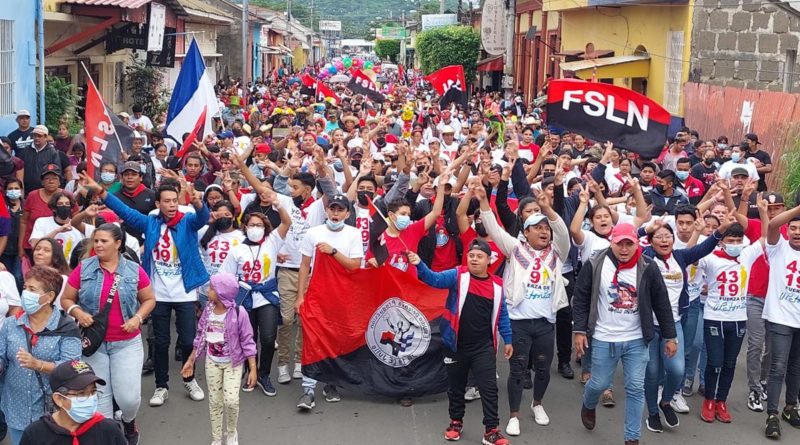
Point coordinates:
[(192, 96)]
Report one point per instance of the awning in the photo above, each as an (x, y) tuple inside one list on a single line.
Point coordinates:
[(285, 49), (494, 63), (269, 50), (610, 67), (305, 46), (130, 4), (204, 13)]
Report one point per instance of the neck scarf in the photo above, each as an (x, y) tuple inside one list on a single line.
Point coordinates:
[(172, 223), (625, 265), (85, 426)]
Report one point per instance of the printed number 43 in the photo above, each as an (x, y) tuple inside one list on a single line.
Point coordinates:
[(729, 283)]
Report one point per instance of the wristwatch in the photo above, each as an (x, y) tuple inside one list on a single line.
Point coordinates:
[(334, 251)]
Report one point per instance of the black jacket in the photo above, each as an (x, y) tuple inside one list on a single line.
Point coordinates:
[(35, 161), (46, 431), (651, 292), (144, 203)]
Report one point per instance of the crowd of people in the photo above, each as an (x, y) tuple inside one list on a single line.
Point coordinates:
[(566, 249)]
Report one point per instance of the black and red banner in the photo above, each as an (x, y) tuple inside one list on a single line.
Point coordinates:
[(106, 135), (451, 85), (360, 83), (373, 331), (604, 112)]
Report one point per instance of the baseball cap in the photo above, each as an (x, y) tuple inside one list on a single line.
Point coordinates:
[(51, 168), (73, 374), (534, 219), (622, 232), (739, 171), (225, 134), (41, 129), (138, 135), (391, 178), (124, 115), (23, 113), (479, 244), (263, 148), (753, 137), (774, 199), (339, 200), (131, 166), (448, 130)]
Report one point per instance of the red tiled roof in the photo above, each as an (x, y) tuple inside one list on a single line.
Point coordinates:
[(130, 4)]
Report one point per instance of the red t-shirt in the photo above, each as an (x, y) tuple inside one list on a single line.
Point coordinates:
[(497, 256), (37, 208), (398, 252), (757, 285), (531, 148), (115, 318), (444, 255)]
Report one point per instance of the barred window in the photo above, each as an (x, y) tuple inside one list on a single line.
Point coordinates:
[(7, 103)]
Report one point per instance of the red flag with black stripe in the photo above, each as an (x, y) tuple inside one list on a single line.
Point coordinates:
[(373, 331), (451, 85), (604, 112)]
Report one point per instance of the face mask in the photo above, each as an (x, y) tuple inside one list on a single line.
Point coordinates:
[(82, 410), (659, 188), (298, 201), (30, 301), (402, 222), (255, 234), (237, 132), (708, 161), (337, 165), (734, 249), (335, 226), (63, 212), (14, 194), (107, 177), (722, 146), (356, 163), (726, 159), (362, 197), (735, 157), (223, 224), (682, 175), (480, 229)]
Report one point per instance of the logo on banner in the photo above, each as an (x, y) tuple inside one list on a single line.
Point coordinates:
[(398, 333)]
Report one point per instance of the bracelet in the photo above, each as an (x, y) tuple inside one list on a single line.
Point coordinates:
[(71, 308), (41, 367), (141, 320)]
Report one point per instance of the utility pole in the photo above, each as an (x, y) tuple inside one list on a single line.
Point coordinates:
[(441, 6), (245, 27), (508, 72)]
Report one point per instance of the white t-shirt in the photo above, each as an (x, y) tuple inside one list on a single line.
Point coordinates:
[(727, 284), (782, 305), (144, 121), (727, 167), (255, 263), (673, 279), (218, 248), (696, 277), (363, 221), (314, 215), (240, 144), (166, 271), (68, 239), (537, 302), (9, 295), (591, 245), (347, 241), (618, 305), (216, 347)]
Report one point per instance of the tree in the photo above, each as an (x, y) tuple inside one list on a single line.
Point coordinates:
[(146, 86), (388, 48), (60, 98), (449, 45)]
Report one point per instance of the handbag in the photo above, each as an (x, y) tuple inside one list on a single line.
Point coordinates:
[(47, 401), (92, 337)]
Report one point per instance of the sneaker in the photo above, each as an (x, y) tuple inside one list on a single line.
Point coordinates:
[(306, 402), (678, 403), (195, 391), (607, 399), (721, 412), (331, 394), (266, 386), (707, 413), (773, 430), (148, 366), (791, 414), (654, 423), (701, 390), (669, 415), (539, 415), (298, 371), (566, 371), (131, 432), (493, 437), (453, 432), (232, 438), (472, 394), (527, 381), (216, 442), (283, 374), (159, 397), (118, 415), (512, 429), (764, 394), (178, 355), (245, 387), (687, 390), (754, 402)]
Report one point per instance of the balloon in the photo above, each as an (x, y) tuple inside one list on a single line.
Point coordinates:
[(347, 62), (368, 65), (339, 66), (332, 69), (358, 63), (377, 69)]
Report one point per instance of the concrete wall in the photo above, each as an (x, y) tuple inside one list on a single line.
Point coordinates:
[(23, 13), (743, 44)]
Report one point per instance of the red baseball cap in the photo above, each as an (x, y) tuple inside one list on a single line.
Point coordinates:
[(624, 232), (263, 148)]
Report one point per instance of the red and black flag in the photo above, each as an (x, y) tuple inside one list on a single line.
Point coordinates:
[(373, 331), (309, 87), (604, 112), (451, 85), (106, 135), (324, 93), (360, 83), (377, 247)]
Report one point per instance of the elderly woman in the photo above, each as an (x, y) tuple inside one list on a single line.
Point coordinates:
[(31, 346), (110, 278)]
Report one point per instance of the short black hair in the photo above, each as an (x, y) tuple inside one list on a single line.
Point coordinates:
[(368, 178), (685, 209), (306, 178), (137, 108), (165, 188), (396, 204), (735, 230), (683, 160), (667, 174), (649, 164)]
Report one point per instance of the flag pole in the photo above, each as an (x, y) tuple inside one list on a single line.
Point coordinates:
[(111, 124), (386, 220)]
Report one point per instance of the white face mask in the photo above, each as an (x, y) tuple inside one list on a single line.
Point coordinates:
[(255, 234)]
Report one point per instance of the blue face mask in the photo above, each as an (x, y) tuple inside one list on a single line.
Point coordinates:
[(402, 222), (682, 175), (82, 410), (733, 249), (14, 194), (335, 226), (107, 177), (735, 156), (30, 301)]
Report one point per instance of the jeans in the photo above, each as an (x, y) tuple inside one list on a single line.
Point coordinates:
[(564, 323), (785, 363), (482, 362), (757, 344), (660, 365), (634, 356), (694, 347), (534, 337), (15, 435), (723, 342), (119, 363), (265, 327), (13, 265), (186, 326)]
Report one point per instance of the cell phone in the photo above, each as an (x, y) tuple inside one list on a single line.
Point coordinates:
[(280, 133)]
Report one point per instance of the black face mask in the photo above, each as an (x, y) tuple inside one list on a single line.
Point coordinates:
[(63, 212), (708, 161), (363, 195), (480, 229), (659, 188), (298, 201), (223, 224), (237, 132), (356, 163)]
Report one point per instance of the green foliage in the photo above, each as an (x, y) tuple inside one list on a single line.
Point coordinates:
[(449, 45), (387, 49), (146, 86), (60, 98), (790, 160)]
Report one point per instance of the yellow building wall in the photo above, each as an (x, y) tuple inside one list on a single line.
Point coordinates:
[(623, 30)]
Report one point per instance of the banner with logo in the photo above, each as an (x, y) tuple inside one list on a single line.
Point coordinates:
[(106, 135), (360, 83), (604, 112), (451, 84), (373, 331)]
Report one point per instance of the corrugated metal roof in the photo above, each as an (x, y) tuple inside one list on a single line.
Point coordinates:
[(200, 9), (130, 4)]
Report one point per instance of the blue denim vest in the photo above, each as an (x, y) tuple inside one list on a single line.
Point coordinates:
[(89, 293)]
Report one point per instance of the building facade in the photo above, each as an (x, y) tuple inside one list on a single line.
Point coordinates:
[(17, 62)]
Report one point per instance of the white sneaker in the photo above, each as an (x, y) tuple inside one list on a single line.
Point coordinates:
[(539, 415), (232, 439), (216, 442), (159, 397), (472, 394), (512, 429), (283, 374), (298, 371), (118, 415), (678, 403), (195, 391)]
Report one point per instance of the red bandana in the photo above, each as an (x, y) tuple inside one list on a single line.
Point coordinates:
[(85, 426), (630, 264), (172, 223), (135, 192)]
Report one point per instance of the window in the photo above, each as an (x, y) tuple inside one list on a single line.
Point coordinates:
[(7, 102), (788, 70)]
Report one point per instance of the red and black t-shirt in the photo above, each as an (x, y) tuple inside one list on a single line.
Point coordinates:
[(475, 322)]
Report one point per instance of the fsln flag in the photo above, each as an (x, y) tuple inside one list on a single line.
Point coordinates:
[(104, 133), (325, 93), (360, 83), (192, 94), (373, 331), (309, 87), (450, 83), (604, 112)]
